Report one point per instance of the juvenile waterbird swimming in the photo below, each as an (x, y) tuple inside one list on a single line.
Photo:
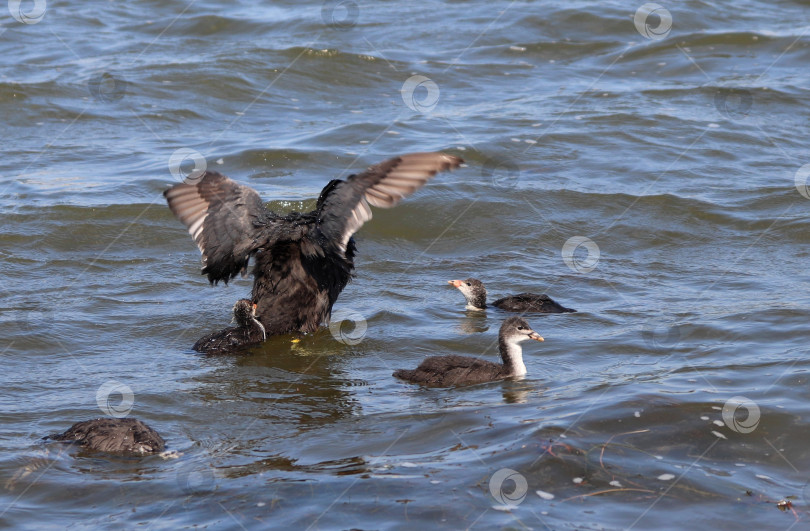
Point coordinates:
[(476, 295), (303, 260), (453, 370), (248, 331), (113, 435)]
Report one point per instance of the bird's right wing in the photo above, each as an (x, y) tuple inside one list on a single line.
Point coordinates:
[(226, 220), (344, 205)]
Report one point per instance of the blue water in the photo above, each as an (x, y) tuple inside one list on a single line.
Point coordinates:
[(650, 175)]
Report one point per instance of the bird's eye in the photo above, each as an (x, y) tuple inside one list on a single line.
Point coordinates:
[(520, 328), (469, 284)]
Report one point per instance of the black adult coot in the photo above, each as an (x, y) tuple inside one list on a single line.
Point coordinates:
[(248, 331), (303, 260), (125, 436), (476, 295), (452, 370)]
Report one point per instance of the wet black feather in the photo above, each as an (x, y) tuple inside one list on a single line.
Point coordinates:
[(452, 370), (113, 435), (302, 260), (530, 302)]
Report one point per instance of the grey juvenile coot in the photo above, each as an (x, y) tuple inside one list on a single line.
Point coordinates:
[(248, 331), (303, 260), (476, 295), (126, 436), (452, 370)]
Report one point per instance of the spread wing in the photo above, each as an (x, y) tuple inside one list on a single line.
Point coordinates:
[(345, 205), (225, 219)]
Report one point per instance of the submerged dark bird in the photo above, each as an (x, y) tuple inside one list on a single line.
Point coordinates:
[(452, 370), (248, 331), (125, 436), (476, 295), (303, 260)]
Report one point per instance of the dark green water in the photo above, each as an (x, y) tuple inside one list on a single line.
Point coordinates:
[(651, 176)]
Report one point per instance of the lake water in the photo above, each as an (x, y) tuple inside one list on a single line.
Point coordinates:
[(644, 164)]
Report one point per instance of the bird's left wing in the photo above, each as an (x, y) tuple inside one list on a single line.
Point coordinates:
[(226, 220), (344, 206)]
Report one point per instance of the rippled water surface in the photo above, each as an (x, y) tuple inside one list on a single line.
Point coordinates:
[(645, 166)]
